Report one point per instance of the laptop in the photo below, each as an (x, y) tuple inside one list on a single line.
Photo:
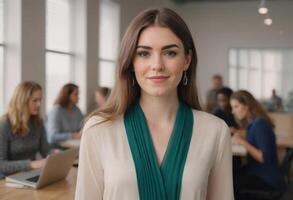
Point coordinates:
[(56, 168)]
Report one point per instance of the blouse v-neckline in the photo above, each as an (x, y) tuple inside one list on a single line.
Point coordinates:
[(159, 181), (150, 142)]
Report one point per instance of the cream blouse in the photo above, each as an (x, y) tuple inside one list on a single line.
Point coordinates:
[(107, 172)]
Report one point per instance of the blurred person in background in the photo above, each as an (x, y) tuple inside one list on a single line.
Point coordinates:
[(261, 170), (275, 102), (101, 95), (223, 109), (217, 83), (65, 119), (22, 133)]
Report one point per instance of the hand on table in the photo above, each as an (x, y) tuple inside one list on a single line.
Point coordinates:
[(238, 138), (37, 164), (76, 136)]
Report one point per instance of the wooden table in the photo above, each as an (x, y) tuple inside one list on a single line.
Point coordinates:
[(238, 150), (62, 190), (72, 143), (285, 142)]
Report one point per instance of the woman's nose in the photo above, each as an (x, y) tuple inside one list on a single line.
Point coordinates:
[(157, 63)]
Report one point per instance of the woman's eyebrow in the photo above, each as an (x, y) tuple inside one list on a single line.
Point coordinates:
[(163, 48), (170, 46), (144, 47)]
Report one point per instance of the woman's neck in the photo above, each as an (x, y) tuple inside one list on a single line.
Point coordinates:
[(159, 109)]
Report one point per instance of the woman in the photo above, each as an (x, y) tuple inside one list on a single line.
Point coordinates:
[(101, 95), (261, 171), (65, 119), (150, 141), (22, 133)]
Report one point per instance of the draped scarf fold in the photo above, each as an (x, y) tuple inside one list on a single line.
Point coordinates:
[(157, 182)]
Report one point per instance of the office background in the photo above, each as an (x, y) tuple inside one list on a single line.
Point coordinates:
[(56, 41)]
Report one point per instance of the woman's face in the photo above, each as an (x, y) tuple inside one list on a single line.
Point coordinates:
[(159, 62), (239, 110), (74, 96), (34, 102)]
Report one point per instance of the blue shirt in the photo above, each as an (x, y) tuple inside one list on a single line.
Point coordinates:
[(62, 123), (261, 135)]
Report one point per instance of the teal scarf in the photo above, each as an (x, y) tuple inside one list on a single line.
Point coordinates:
[(159, 182)]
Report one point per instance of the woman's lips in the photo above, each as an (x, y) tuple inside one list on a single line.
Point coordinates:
[(158, 79)]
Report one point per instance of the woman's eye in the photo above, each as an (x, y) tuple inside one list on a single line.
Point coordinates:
[(143, 53), (170, 53)]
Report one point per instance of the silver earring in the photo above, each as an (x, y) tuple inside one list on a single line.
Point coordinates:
[(185, 79)]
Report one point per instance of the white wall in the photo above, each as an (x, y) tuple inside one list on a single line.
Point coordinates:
[(130, 8)]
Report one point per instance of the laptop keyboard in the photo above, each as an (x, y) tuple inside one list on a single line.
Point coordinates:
[(34, 179)]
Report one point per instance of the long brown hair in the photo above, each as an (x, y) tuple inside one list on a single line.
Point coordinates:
[(124, 93), (63, 98), (254, 107), (18, 112)]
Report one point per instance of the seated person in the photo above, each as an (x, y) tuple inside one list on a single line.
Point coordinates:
[(101, 96), (223, 109), (275, 103), (261, 171), (65, 119), (22, 133)]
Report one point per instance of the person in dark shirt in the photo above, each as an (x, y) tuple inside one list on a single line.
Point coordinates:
[(223, 109), (261, 171)]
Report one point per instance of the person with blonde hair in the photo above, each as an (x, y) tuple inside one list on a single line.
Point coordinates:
[(65, 119), (150, 141), (261, 171), (22, 132)]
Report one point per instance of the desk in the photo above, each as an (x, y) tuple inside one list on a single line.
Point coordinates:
[(72, 143), (62, 190), (285, 142), (238, 150)]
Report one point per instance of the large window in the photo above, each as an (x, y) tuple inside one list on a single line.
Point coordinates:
[(109, 34), (262, 70), (2, 92), (59, 57)]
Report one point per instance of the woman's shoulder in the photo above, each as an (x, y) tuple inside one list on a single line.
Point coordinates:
[(207, 119), (56, 109), (98, 125), (260, 122), (77, 109), (209, 130)]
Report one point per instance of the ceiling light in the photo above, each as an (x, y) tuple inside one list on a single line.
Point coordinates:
[(262, 8), (268, 21)]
